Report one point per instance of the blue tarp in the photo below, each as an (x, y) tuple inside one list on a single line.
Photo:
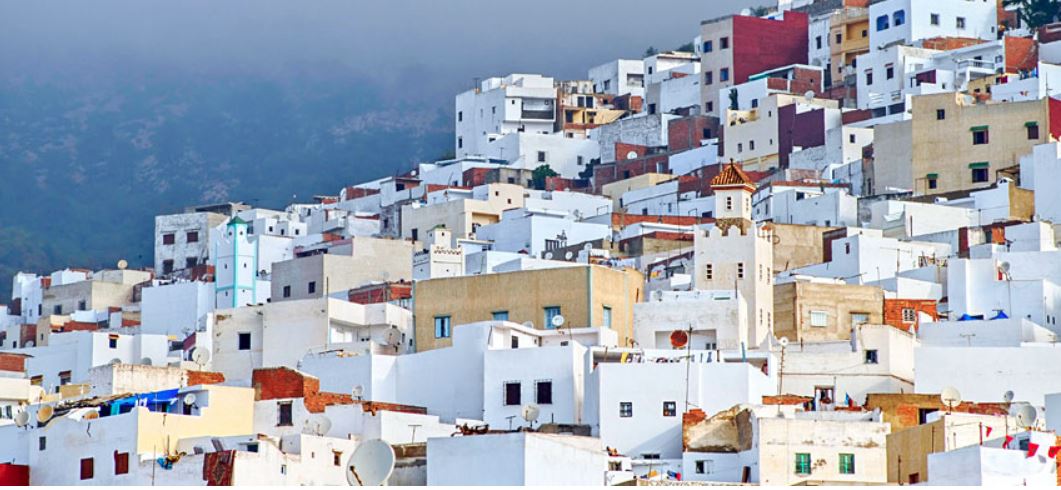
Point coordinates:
[(158, 401)]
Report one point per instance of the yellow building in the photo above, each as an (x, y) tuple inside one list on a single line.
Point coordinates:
[(956, 142), (848, 38), (585, 295)]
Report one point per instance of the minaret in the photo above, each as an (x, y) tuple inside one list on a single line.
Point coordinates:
[(236, 268), (733, 198)]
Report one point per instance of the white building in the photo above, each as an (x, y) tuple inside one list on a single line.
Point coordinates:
[(991, 464), (907, 21), (516, 459), (819, 204), (175, 308), (438, 258), (182, 241), (517, 103), (716, 319), (619, 77), (536, 232)]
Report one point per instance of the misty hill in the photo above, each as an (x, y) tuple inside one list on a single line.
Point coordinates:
[(85, 165)]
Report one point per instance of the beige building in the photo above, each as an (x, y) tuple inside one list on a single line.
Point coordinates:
[(353, 263), (908, 449), (615, 190), (819, 311), (586, 296), (103, 290), (956, 142), (798, 246), (462, 215)]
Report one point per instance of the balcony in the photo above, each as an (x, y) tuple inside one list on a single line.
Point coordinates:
[(544, 114)]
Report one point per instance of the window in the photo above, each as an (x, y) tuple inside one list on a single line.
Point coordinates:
[(283, 414), (1033, 130), (817, 42), (57, 309), (709, 272), (709, 77), (82, 305), (869, 77), (626, 409), (709, 106), (723, 75), (42, 443), (751, 145), (899, 18), (500, 316), (979, 172), (740, 270), (980, 135), (192, 236), (859, 318), (167, 266), (704, 467), (882, 22), (755, 104), (909, 315), (941, 114), (802, 463), (871, 356), (723, 43), (512, 393), (670, 409), (708, 46), (244, 341), (847, 464), (191, 262), (606, 317), (460, 142), (851, 138), (933, 182), (515, 342), (889, 71), (337, 458), (442, 330), (169, 239), (541, 156), (543, 392), (88, 468), (959, 22), (839, 37), (819, 318), (460, 116), (112, 341), (121, 463), (933, 19), (311, 287), (550, 313), (287, 291)]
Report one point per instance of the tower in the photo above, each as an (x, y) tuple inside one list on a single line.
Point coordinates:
[(737, 254), (236, 266)]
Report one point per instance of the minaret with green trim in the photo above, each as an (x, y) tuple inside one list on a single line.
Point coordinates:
[(236, 266)]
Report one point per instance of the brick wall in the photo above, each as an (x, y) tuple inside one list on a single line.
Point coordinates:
[(12, 362), (196, 378), (685, 133), (893, 311), (763, 44)]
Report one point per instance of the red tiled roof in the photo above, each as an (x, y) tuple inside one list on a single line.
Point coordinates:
[(732, 175)]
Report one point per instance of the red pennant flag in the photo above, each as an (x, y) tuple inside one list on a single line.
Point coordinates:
[(1032, 449), (989, 429), (1052, 452), (1005, 444)]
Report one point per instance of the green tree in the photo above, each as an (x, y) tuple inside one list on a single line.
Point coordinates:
[(539, 175), (651, 51), (686, 48), (761, 11), (1036, 13)]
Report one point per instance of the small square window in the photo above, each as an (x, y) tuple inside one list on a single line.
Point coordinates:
[(541, 157), (802, 463), (980, 137), (626, 409), (287, 292), (847, 464), (543, 392), (121, 463), (311, 287), (88, 468), (442, 327), (337, 458), (512, 393), (1033, 131), (284, 415), (723, 43), (244, 341), (871, 356), (909, 315), (723, 74), (192, 236), (819, 318), (941, 114), (933, 19), (169, 239), (959, 22), (670, 409), (980, 175)]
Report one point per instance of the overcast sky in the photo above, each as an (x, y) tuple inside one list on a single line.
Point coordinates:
[(442, 43)]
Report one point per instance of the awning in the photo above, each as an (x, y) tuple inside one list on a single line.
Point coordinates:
[(978, 128), (979, 165), (932, 176), (1031, 124)]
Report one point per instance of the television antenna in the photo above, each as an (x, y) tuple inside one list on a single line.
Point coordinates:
[(392, 337), (371, 464), (679, 339), (950, 397)]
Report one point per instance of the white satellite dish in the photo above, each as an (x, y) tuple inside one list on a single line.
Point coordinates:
[(93, 415), (45, 413), (189, 399), (358, 391), (530, 413), (318, 425), (1026, 416), (548, 256), (200, 356), (371, 464), (1004, 266), (115, 361), (630, 155), (557, 321), (146, 361), (783, 342), (123, 264), (950, 397), (1007, 396), (808, 95), (746, 12), (568, 255), (392, 337), (21, 419), (528, 324)]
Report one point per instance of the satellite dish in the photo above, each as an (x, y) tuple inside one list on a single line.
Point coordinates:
[(568, 255), (1004, 266), (528, 324), (358, 392), (1026, 416), (1007, 396), (371, 464), (146, 361), (783, 342), (679, 339), (808, 95), (115, 361), (630, 155), (548, 256), (93, 415), (746, 12), (123, 264), (200, 356), (21, 419), (392, 337), (587, 246), (530, 413), (324, 424), (189, 399), (45, 413), (950, 397), (557, 321)]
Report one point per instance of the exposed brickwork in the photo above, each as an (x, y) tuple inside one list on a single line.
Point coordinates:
[(12, 362), (27, 333), (685, 133), (786, 400), (196, 378), (381, 293), (690, 419), (1022, 54), (904, 410), (949, 43), (763, 44), (893, 312), (282, 382)]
